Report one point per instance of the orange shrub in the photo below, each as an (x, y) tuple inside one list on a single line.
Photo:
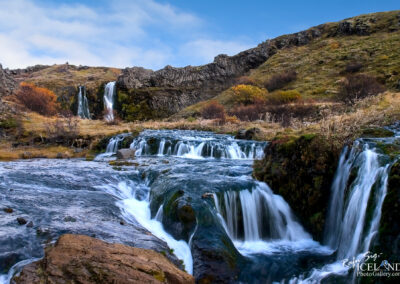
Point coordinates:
[(248, 94), (278, 81), (214, 110), (40, 100)]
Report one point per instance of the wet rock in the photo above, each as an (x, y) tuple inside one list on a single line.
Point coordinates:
[(21, 221), (125, 154), (59, 156), (88, 260), (207, 195), (248, 134), (30, 224), (69, 219), (26, 155), (8, 210), (122, 222)]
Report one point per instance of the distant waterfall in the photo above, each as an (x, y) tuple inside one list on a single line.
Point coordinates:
[(83, 105), (109, 92), (347, 228), (258, 215)]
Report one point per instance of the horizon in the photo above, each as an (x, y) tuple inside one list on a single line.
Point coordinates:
[(153, 34)]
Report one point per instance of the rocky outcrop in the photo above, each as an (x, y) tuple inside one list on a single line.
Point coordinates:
[(82, 259), (301, 170), (7, 83), (147, 94), (125, 154)]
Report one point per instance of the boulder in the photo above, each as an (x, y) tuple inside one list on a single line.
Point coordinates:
[(82, 259), (248, 134), (125, 154), (21, 221)]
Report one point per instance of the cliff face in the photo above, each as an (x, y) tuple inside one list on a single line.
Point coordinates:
[(157, 94), (7, 83)]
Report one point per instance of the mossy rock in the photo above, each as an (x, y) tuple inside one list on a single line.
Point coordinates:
[(301, 170)]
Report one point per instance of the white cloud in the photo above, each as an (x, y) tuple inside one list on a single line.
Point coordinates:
[(119, 33), (205, 50)]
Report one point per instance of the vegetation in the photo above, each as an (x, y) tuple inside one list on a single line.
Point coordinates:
[(40, 100), (248, 94), (279, 81), (356, 87), (213, 110)]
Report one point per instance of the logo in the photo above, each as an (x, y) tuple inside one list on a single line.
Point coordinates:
[(369, 264)]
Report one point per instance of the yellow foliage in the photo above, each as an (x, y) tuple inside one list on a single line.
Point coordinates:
[(248, 94), (283, 97)]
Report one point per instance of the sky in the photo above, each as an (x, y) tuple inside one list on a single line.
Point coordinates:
[(155, 33)]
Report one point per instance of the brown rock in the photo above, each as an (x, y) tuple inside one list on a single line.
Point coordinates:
[(82, 259)]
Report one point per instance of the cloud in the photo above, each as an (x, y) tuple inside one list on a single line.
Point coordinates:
[(115, 33)]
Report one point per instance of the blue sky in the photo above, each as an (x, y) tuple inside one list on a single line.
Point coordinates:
[(154, 33)]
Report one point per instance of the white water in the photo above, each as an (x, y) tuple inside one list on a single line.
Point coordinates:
[(267, 221), (137, 210), (109, 91), (83, 104), (6, 278), (199, 149), (347, 230)]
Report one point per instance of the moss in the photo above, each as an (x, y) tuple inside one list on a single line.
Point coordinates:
[(301, 169), (376, 132), (9, 123), (159, 275)]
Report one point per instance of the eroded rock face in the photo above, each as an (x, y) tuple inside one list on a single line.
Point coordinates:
[(7, 83), (82, 259)]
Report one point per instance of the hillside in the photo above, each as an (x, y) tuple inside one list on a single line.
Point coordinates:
[(368, 43), (65, 79)]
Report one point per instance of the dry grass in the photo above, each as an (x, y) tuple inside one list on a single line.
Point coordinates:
[(381, 110)]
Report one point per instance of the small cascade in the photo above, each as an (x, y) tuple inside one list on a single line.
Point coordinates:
[(200, 145), (109, 92), (83, 104), (348, 229), (257, 215), (358, 191), (112, 147)]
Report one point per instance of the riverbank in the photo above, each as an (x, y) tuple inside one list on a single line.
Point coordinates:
[(27, 136)]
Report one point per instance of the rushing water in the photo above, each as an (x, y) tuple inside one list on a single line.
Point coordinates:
[(360, 182), (83, 104), (212, 174), (109, 93)]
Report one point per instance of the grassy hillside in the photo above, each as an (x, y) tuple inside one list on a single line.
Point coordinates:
[(323, 64), (64, 80)]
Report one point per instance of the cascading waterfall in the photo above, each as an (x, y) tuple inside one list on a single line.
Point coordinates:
[(109, 92), (83, 104), (258, 215), (349, 230), (197, 147), (112, 146)]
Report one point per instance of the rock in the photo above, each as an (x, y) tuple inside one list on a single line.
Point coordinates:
[(8, 210), (26, 155), (248, 134), (121, 222), (7, 83), (207, 195), (21, 221), (301, 168), (87, 260), (69, 219), (59, 156), (30, 224), (125, 154)]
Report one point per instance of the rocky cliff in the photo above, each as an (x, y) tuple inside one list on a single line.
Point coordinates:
[(145, 94), (82, 259), (7, 83)]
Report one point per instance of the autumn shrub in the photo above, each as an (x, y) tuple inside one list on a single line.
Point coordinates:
[(62, 131), (283, 97), (278, 81), (248, 94), (245, 80), (40, 100), (213, 110), (356, 87), (250, 112), (353, 67)]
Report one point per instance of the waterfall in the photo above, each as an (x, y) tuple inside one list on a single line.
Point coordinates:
[(112, 146), (109, 91), (347, 227), (359, 187), (83, 104), (257, 215), (197, 147)]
